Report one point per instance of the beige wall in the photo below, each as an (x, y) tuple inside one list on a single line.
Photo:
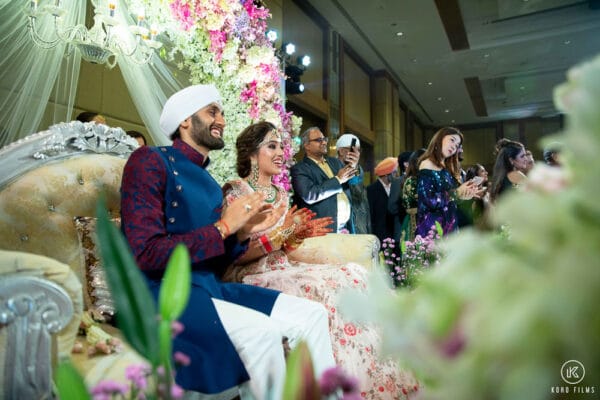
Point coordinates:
[(478, 146), (356, 97)]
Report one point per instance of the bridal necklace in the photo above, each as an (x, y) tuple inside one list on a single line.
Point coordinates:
[(269, 190)]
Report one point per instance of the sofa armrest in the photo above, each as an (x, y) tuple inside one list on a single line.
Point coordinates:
[(32, 311), (20, 264), (339, 248)]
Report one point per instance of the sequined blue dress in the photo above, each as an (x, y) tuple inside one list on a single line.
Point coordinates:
[(435, 201)]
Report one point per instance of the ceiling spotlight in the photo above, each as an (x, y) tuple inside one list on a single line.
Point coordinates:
[(567, 42), (292, 87), (439, 99), (304, 60), (290, 48), (430, 83), (399, 33), (272, 35), (446, 110)]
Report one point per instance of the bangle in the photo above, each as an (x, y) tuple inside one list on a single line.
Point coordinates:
[(225, 226), (266, 244), (223, 230), (292, 243)]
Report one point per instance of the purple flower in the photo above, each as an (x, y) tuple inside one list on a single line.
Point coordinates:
[(181, 359), (176, 328), (137, 374), (106, 389), (176, 392), (336, 378)]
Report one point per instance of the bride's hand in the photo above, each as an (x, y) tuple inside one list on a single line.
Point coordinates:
[(297, 217), (266, 218), (314, 227)]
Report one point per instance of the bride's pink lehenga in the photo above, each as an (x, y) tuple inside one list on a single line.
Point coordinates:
[(354, 345)]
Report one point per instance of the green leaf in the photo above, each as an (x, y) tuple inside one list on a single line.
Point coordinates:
[(175, 288), (300, 381), (70, 384), (136, 312), (438, 228)]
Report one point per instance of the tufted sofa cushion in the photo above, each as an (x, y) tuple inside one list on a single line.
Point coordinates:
[(37, 210)]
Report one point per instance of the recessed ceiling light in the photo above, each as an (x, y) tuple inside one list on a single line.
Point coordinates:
[(414, 60), (486, 55), (399, 33), (453, 121), (446, 110), (439, 99), (522, 88), (430, 83), (567, 42)]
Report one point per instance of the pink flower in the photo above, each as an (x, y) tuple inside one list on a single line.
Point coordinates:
[(106, 389), (336, 378), (181, 359), (137, 374), (350, 329), (176, 328)]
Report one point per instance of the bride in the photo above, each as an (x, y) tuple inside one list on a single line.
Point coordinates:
[(275, 261)]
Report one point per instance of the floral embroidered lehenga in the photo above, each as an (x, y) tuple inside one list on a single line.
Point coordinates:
[(354, 345)]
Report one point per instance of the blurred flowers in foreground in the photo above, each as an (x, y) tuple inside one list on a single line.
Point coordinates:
[(301, 383), (503, 312), (407, 263)]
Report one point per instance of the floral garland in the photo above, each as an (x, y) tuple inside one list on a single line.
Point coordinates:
[(224, 42)]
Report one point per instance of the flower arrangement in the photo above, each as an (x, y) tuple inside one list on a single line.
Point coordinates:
[(407, 263), (505, 313), (224, 42)]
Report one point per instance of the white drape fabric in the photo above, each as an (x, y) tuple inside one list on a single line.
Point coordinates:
[(31, 76)]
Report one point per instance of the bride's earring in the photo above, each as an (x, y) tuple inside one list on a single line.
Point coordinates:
[(253, 178)]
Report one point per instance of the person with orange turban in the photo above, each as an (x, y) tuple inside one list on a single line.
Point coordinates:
[(378, 193)]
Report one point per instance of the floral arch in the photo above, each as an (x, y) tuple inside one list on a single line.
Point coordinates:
[(224, 42)]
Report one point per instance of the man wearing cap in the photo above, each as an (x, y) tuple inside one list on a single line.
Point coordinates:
[(320, 182), (359, 210), (233, 332), (378, 193)]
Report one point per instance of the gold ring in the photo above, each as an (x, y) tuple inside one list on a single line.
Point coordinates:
[(247, 207)]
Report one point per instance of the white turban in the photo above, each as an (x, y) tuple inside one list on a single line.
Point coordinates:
[(186, 102), (345, 140)]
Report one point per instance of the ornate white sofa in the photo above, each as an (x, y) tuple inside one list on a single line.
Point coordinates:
[(46, 180)]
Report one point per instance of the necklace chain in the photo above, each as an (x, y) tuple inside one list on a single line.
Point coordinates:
[(270, 191)]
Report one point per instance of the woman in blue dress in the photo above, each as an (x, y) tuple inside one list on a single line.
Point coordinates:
[(438, 184)]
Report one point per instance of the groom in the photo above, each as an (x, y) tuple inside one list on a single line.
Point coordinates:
[(232, 331)]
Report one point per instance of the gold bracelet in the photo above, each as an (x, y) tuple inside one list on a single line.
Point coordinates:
[(220, 229)]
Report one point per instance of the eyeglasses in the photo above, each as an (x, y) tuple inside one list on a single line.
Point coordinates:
[(320, 140)]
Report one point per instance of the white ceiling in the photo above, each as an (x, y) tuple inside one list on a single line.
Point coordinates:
[(517, 51)]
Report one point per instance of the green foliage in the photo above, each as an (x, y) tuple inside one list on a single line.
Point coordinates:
[(133, 301), (69, 383), (176, 285), (300, 382), (503, 311)]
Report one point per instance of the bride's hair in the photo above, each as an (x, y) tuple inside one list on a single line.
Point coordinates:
[(247, 144)]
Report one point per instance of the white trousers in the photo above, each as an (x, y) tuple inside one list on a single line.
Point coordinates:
[(257, 339)]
